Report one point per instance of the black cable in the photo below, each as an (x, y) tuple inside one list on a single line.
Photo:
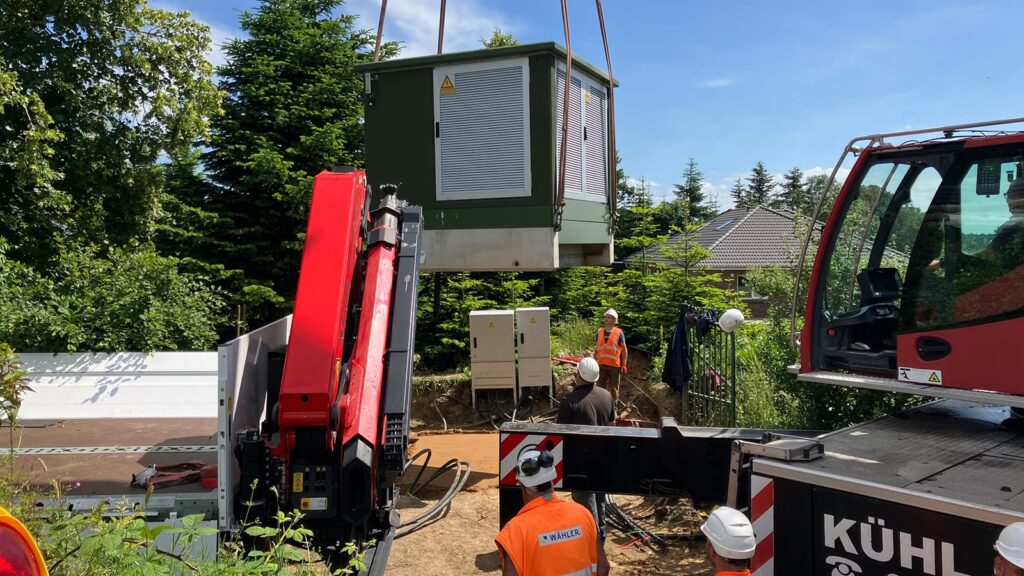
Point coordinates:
[(423, 468), (441, 507)]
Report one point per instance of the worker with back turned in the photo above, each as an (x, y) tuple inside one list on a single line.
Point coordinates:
[(549, 536), (1009, 547), (588, 405), (730, 543)]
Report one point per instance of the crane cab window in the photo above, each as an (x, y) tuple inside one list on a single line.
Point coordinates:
[(869, 259), (969, 257)]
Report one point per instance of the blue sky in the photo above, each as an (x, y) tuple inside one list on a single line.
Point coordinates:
[(733, 82)]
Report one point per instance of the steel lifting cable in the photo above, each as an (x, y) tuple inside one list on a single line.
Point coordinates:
[(380, 30), (613, 153), (440, 27), (564, 137)]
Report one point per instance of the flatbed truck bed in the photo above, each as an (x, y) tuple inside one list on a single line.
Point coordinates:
[(925, 491)]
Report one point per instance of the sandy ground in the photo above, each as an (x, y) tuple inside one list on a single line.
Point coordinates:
[(462, 542)]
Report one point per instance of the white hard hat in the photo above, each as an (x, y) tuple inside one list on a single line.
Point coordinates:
[(1010, 544), (730, 533), (611, 312), (730, 320), (588, 369), (535, 468)]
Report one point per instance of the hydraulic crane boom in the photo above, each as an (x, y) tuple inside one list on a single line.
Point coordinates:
[(336, 434)]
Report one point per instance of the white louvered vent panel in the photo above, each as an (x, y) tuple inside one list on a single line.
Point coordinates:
[(483, 135), (574, 150), (596, 145)]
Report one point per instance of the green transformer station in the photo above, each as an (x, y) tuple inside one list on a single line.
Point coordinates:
[(475, 139)]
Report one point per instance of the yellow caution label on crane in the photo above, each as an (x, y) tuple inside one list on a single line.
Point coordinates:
[(447, 87), (298, 479)]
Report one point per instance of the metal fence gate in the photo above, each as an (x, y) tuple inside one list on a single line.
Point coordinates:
[(710, 397)]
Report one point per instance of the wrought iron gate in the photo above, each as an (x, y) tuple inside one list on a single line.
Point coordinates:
[(710, 397)]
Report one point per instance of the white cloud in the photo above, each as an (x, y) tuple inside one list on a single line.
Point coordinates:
[(717, 83), (636, 182), (218, 38), (414, 23), (819, 171)]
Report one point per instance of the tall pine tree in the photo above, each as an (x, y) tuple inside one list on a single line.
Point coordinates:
[(293, 108), (740, 194), (761, 185), (792, 195), (691, 191)]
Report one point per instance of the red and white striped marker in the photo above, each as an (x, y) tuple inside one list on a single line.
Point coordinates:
[(762, 515), (514, 444)]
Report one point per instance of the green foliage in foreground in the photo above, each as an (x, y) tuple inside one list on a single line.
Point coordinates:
[(130, 299), (114, 539)]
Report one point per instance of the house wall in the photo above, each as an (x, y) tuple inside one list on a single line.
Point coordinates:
[(758, 306)]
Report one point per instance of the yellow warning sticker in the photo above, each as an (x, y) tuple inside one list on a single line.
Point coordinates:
[(533, 320), (919, 375), (297, 482), (447, 87), (586, 97), (490, 325)]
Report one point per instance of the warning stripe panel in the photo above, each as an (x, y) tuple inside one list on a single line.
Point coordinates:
[(513, 444), (762, 515)]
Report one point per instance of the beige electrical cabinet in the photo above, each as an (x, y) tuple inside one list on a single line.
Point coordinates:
[(492, 341), (533, 339)]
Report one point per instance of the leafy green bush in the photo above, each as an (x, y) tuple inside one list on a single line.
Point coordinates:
[(128, 299), (574, 336), (765, 352), (13, 384)]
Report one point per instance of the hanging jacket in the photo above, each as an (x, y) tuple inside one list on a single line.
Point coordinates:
[(678, 369), (705, 323)]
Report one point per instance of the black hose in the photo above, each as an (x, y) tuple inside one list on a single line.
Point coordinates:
[(441, 507), (435, 512)]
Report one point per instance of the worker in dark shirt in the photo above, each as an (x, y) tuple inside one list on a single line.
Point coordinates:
[(588, 405)]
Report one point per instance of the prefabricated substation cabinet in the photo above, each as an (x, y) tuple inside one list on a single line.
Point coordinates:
[(533, 328), (492, 351), (473, 138)]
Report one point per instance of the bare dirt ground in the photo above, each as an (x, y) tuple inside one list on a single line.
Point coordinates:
[(462, 542)]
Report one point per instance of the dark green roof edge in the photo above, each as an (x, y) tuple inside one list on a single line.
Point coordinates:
[(482, 54)]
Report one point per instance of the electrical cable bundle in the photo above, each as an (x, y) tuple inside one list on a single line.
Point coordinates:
[(617, 518), (441, 507)]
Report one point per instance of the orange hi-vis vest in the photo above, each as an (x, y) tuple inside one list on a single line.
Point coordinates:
[(608, 351), (551, 538)]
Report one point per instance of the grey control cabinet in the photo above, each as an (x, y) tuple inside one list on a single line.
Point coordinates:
[(533, 339), (492, 351)]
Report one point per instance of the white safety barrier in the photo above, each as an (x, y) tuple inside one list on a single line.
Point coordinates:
[(120, 385)]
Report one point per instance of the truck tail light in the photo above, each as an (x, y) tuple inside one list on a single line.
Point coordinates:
[(19, 555)]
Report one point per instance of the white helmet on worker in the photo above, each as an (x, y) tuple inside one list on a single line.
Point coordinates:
[(730, 534), (535, 467), (1010, 544), (588, 369), (611, 312)]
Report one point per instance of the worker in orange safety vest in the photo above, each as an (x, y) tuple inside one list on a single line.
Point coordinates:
[(731, 542), (610, 352), (549, 536)]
